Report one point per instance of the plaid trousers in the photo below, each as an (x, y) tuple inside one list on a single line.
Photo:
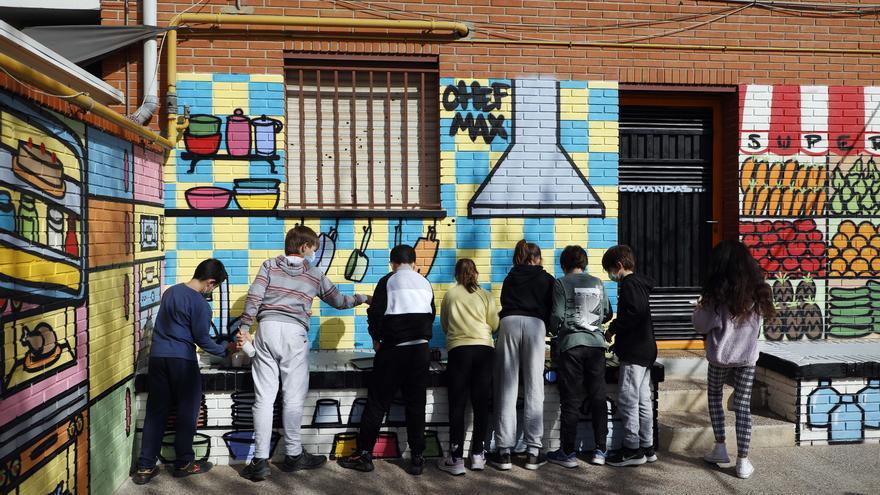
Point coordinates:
[(743, 378)]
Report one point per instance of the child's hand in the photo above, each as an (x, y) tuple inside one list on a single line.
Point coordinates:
[(608, 336), (369, 300), (244, 337)]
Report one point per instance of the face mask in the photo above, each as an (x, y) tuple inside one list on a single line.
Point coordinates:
[(310, 258), (613, 277)]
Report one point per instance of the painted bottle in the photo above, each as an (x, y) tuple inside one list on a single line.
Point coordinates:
[(7, 212), (819, 404), (71, 247), (28, 221), (238, 134), (55, 228), (869, 399)]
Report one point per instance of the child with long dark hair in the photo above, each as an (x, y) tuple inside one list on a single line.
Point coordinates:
[(734, 300), (526, 301), (469, 317)]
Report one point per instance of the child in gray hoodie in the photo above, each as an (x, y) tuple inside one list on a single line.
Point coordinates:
[(280, 298), (733, 302)]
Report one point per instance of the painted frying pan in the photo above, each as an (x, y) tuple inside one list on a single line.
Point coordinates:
[(358, 262), (326, 249)]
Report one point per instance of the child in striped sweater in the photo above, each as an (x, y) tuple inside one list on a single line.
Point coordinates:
[(280, 298)]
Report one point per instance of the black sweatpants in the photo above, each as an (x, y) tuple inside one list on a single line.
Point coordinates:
[(469, 375), (404, 368), (582, 378), (172, 381)]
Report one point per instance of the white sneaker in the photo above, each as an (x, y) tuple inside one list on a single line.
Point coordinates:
[(718, 455), (478, 461), (451, 465), (744, 467)]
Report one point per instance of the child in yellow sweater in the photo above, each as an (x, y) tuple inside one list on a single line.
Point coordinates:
[(469, 317)]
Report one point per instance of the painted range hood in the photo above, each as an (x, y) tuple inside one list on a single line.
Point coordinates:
[(535, 177)]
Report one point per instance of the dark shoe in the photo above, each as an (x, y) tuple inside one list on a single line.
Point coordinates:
[(195, 467), (650, 454), (303, 461), (626, 457), (257, 470), (359, 461), (533, 461), (416, 465), (143, 475), (500, 461)]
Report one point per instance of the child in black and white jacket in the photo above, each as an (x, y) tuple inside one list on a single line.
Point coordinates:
[(400, 320)]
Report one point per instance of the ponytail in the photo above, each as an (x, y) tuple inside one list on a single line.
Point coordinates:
[(526, 252), (466, 274)]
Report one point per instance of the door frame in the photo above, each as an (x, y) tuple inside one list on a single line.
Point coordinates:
[(692, 97)]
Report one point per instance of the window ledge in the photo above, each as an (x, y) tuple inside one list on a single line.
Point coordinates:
[(310, 213)]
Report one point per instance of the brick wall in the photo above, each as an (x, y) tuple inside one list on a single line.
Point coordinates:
[(80, 211)]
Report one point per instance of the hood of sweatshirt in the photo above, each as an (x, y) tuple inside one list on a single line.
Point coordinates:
[(292, 267), (645, 282), (524, 275)]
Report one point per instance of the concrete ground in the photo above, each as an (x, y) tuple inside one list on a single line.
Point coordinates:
[(845, 469)]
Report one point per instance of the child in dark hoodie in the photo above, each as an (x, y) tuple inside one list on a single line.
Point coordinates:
[(280, 298), (526, 298), (634, 344), (580, 307)]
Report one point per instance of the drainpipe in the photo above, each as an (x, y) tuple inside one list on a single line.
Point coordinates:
[(214, 21), (150, 75)]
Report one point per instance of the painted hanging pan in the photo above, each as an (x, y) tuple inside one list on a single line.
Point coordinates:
[(326, 248), (426, 251), (358, 262)]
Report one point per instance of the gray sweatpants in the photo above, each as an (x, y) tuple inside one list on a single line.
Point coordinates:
[(634, 405), (520, 346), (282, 351)]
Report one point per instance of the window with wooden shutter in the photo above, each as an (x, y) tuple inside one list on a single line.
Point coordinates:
[(362, 133)]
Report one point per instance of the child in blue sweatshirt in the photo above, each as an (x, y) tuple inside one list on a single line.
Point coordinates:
[(183, 321)]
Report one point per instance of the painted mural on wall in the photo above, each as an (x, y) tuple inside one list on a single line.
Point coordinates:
[(479, 119), (78, 206), (808, 195), (846, 416)]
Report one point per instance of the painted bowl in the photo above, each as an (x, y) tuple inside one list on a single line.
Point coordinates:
[(201, 145), (203, 125), (208, 198), (241, 444), (201, 447), (265, 185), (257, 201)]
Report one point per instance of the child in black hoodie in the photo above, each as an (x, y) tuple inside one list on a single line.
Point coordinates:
[(526, 301), (635, 346)]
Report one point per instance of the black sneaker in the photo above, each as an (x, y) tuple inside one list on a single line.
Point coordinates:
[(302, 461), (143, 475), (500, 461), (650, 454), (257, 470), (195, 467), (359, 461), (416, 465), (626, 457), (533, 461)]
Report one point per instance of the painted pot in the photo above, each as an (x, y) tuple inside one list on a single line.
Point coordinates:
[(265, 130), (201, 446), (241, 444), (327, 412), (204, 125), (238, 134)]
